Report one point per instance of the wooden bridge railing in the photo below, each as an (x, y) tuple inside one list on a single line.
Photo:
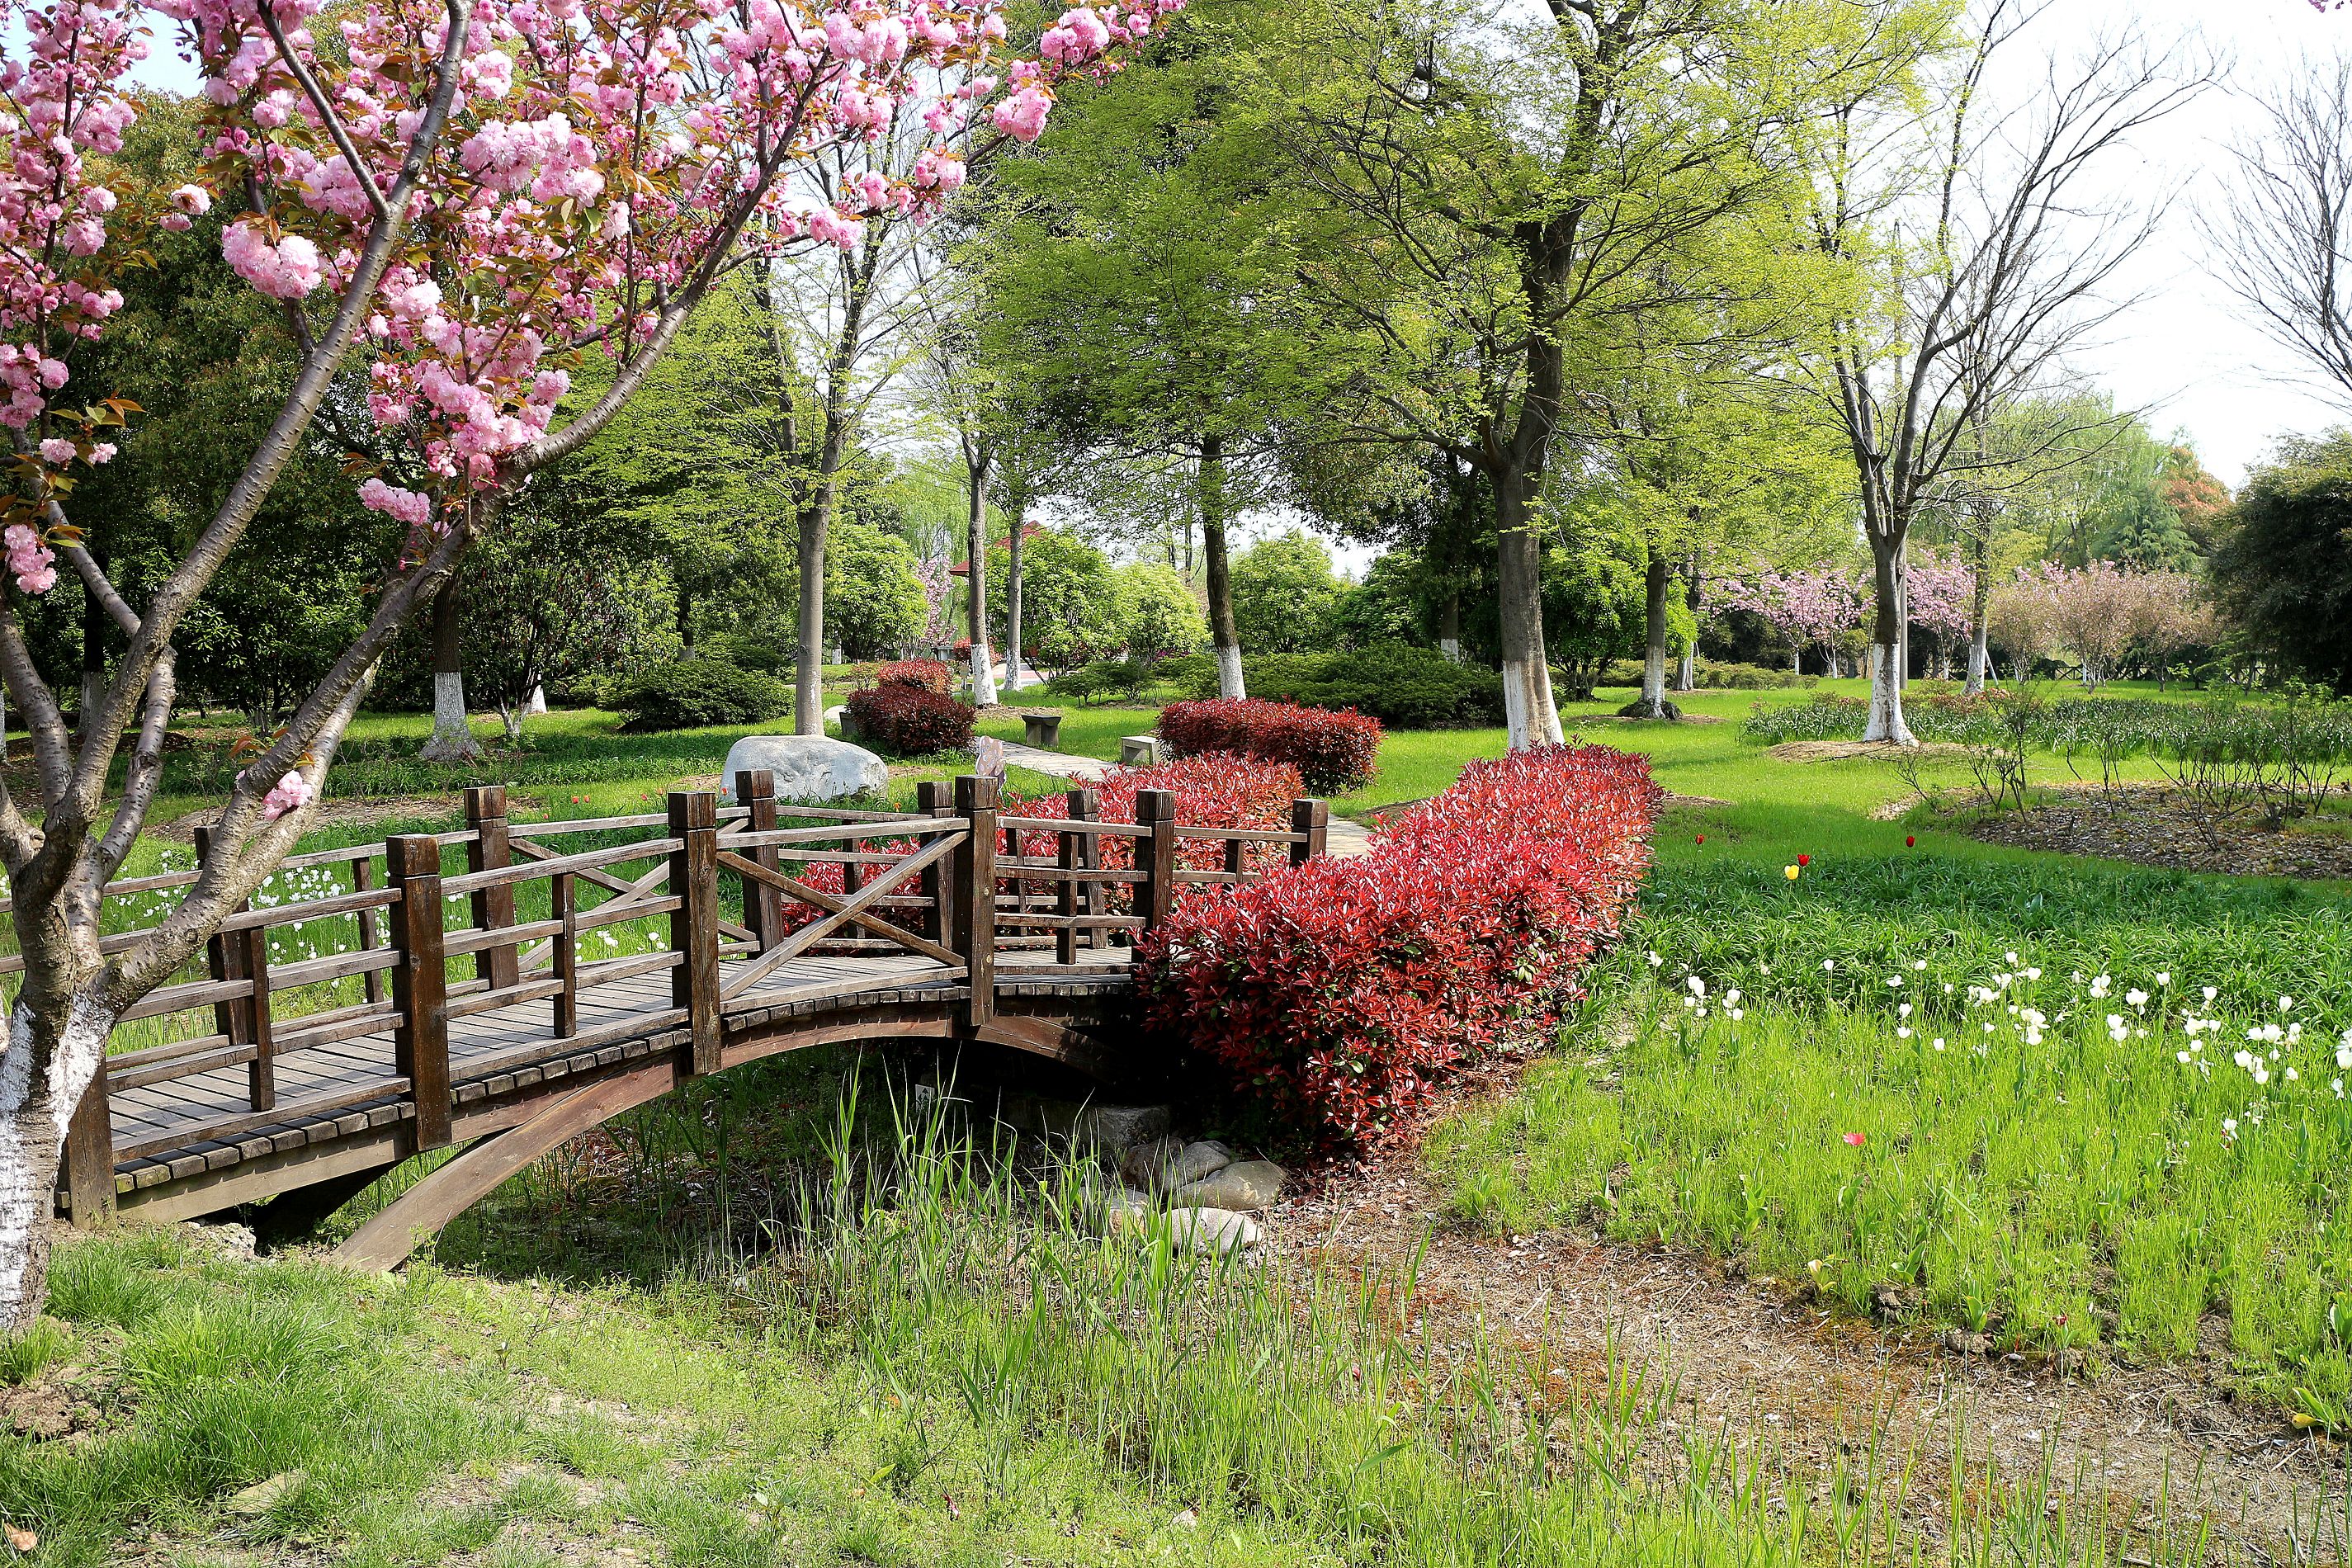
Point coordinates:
[(955, 882)]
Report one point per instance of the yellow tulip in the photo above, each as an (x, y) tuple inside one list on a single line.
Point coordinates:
[(1790, 871)]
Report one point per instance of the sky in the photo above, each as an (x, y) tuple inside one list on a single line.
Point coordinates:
[(2183, 353)]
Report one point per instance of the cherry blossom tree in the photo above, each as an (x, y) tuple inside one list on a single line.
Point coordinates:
[(1810, 607), (1943, 591), (457, 199)]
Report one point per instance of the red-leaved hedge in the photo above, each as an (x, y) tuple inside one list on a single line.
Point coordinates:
[(929, 674), (1333, 993), (910, 720), (1333, 752)]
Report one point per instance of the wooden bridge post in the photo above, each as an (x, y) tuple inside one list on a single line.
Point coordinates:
[(371, 921), (1156, 856), (935, 798), (763, 906), (975, 894), (1313, 818), (90, 1157), (1081, 852), (420, 985), (230, 956), (486, 813), (694, 924)]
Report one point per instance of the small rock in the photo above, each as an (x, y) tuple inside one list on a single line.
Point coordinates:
[(1965, 1343), (1211, 1229), (1129, 1212), (227, 1240), (1118, 1128), (262, 1496), (1167, 1164), (1250, 1184)]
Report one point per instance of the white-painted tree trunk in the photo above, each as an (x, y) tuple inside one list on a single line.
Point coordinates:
[(538, 703), (1979, 662), (1795, 661), (1886, 698), (1686, 669), (1229, 672), (1532, 718), (1451, 648), (983, 675), (453, 739), (33, 1117)]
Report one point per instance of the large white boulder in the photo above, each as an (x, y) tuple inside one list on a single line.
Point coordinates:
[(807, 767)]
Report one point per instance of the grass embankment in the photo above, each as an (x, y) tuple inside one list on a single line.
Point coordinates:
[(2004, 1032), (941, 1365)]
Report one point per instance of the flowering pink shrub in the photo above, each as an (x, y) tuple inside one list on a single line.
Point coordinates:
[(1331, 995), (1333, 752)]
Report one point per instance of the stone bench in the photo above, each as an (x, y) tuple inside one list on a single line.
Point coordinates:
[(1042, 731), (1137, 750)]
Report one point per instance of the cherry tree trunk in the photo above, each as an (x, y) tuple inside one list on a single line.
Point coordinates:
[(56, 1040)]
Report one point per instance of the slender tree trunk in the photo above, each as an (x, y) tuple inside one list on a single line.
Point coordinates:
[(1659, 578), (1887, 642), (1221, 634), (975, 544), (1013, 678), (816, 522), (1449, 623), (1527, 705), (1693, 594), (453, 738)]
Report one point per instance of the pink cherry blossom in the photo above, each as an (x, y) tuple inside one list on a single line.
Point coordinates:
[(289, 794)]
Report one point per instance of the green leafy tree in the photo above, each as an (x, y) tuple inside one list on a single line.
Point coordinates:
[(1071, 597), (2283, 570), (547, 605), (1284, 595), (1139, 287), (1158, 611), (874, 602)]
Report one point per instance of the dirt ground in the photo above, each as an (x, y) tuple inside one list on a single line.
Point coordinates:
[(1750, 1357)]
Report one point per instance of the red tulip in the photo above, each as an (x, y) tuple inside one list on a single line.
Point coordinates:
[(1702, 838), (1908, 841), (1857, 1138), (1804, 859)]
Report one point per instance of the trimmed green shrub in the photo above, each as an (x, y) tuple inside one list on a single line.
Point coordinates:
[(695, 693), (1405, 686)]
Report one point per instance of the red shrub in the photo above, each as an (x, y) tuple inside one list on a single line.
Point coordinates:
[(928, 674), (910, 720), (1332, 993), (1333, 752), (1210, 792)]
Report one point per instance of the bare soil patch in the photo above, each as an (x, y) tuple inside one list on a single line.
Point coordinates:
[(2153, 825), (1846, 751), (1753, 1357)]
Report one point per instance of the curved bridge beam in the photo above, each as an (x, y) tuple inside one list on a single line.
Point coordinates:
[(383, 1243)]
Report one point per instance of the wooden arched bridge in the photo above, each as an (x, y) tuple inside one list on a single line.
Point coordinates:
[(381, 1003)]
